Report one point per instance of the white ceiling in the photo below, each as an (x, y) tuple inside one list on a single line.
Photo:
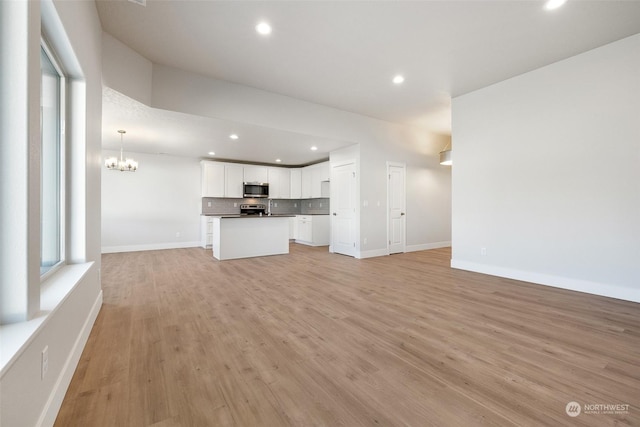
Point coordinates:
[(343, 54), (150, 130)]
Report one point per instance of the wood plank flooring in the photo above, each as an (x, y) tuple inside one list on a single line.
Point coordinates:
[(312, 338)]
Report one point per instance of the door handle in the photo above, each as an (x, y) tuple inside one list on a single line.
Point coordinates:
[(335, 214), (401, 213)]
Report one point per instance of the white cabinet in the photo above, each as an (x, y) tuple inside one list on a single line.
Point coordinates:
[(312, 178), (293, 228), (321, 230), (233, 176), (316, 179), (305, 228), (296, 183), (206, 231), (255, 174), (279, 183), (313, 230), (320, 175), (226, 180), (221, 179), (212, 179), (324, 171), (305, 191)]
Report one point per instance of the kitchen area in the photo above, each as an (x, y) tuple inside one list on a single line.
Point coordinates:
[(255, 210)]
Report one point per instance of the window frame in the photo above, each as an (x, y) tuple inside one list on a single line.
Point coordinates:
[(62, 89)]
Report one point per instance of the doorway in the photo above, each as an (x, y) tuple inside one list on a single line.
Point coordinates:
[(343, 208), (396, 203)]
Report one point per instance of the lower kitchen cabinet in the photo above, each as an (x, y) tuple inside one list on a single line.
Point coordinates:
[(293, 228), (313, 230), (206, 231)]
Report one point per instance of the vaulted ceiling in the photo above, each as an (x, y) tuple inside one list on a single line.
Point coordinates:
[(344, 54)]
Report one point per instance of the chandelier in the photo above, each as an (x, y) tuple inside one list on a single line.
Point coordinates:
[(128, 165)]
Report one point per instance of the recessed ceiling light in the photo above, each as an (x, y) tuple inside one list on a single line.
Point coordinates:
[(398, 79), (233, 136), (278, 160), (263, 28), (554, 4), (314, 148), (211, 153)]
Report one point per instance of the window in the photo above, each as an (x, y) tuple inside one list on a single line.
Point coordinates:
[(51, 163)]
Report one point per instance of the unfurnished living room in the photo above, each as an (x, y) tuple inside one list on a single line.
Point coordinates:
[(297, 213)]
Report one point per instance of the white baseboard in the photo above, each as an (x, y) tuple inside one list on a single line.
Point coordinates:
[(150, 247), (594, 288), (427, 246), (372, 253), (304, 242), (411, 248), (52, 407)]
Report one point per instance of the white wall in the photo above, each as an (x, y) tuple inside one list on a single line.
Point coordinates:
[(134, 79), (546, 174), (145, 209), (428, 189), (25, 398)]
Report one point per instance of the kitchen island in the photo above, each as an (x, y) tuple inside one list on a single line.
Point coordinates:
[(246, 236)]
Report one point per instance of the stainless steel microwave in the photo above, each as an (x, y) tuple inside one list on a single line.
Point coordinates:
[(255, 190)]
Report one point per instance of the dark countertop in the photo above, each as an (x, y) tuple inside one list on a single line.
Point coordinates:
[(248, 216)]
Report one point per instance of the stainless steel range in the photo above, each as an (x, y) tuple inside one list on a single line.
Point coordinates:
[(258, 209)]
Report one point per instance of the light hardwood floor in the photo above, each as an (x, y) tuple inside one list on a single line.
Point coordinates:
[(313, 338)]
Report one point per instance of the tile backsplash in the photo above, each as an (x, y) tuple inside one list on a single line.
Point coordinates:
[(314, 206), (278, 206), (223, 205), (285, 206)]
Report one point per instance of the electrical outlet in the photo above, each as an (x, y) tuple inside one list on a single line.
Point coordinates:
[(309, 204), (320, 204), (364, 241), (365, 203), (275, 205), (483, 251), (235, 204), (178, 234), (45, 361), (208, 204), (295, 205)]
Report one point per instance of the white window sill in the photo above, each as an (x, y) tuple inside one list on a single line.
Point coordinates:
[(15, 337)]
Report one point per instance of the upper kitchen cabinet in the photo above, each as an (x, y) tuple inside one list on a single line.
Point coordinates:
[(319, 174), (279, 183), (221, 179), (296, 183), (233, 176), (256, 174), (312, 178), (324, 171), (213, 183), (226, 180), (305, 186)]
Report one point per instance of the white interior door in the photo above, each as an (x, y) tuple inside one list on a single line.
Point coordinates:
[(343, 208), (396, 203)]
